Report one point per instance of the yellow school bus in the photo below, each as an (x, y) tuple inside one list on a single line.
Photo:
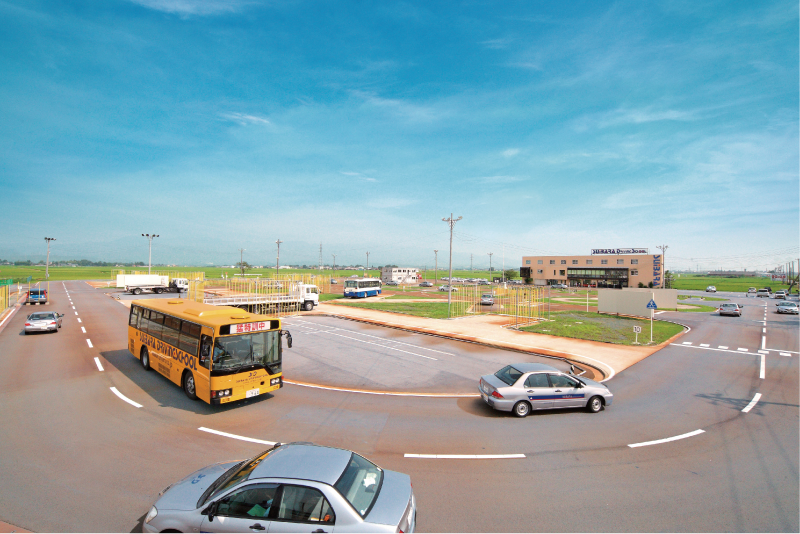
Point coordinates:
[(218, 354)]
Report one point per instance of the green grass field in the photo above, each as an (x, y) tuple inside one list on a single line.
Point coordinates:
[(700, 283), (606, 328), (433, 310)]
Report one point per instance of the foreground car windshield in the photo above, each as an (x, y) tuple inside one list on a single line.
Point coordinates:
[(232, 476), (360, 483), (508, 374)]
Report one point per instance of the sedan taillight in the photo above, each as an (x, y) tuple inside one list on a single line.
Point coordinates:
[(496, 395)]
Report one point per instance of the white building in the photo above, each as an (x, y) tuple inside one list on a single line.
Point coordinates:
[(401, 275)]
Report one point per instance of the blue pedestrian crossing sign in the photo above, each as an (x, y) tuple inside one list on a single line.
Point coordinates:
[(652, 305)]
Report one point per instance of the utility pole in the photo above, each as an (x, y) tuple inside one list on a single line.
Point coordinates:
[(504, 266), (451, 222), (470, 263), (47, 264), (241, 259), (435, 267), (278, 262), (490, 263), (320, 259), (367, 271), (150, 254), (334, 265), (663, 249)]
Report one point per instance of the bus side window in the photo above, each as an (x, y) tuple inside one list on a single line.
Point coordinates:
[(205, 351), (134, 318), (190, 336)]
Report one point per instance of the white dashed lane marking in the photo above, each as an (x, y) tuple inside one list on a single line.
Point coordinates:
[(466, 456), (740, 349), (704, 344), (99, 365), (235, 436), (83, 330), (723, 347), (126, 399), (752, 403), (76, 313), (89, 342)]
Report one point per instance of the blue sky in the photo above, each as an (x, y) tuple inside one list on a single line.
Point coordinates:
[(550, 127)]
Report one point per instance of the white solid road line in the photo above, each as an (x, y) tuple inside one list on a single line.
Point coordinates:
[(83, 330), (740, 351), (99, 365), (764, 340), (466, 456), (126, 399), (763, 351), (752, 403), (665, 440), (763, 366), (387, 393), (234, 436), (89, 342)]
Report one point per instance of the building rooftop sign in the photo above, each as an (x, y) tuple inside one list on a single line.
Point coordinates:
[(619, 251)]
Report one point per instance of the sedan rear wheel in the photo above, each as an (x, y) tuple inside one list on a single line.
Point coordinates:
[(522, 409), (595, 404)]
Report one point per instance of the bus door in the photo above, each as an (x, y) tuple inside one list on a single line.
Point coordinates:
[(204, 365)]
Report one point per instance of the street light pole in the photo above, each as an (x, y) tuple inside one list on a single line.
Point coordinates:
[(436, 267), (451, 222), (334, 265), (278, 261), (367, 271), (150, 249), (490, 263), (47, 264), (241, 260), (663, 249)]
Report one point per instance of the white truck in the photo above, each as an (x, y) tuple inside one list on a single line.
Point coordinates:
[(306, 295), (137, 283)]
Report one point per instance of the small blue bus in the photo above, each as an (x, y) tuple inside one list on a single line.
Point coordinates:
[(362, 287)]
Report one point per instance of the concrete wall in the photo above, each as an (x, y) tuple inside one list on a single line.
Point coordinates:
[(633, 301)]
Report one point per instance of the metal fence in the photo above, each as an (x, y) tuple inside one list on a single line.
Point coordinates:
[(521, 305), (5, 297)]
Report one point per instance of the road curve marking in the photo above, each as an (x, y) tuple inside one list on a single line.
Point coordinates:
[(666, 440), (235, 436), (387, 393), (126, 399), (466, 456), (752, 403), (99, 365)]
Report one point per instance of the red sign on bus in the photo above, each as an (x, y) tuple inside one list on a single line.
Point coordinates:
[(243, 328)]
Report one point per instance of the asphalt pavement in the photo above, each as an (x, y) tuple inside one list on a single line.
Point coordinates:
[(676, 451)]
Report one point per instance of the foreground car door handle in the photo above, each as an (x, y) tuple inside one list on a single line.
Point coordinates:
[(257, 526)]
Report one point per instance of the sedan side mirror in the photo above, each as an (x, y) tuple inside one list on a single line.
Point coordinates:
[(211, 511)]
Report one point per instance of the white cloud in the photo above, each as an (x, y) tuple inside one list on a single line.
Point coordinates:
[(244, 119), (359, 176), (193, 7), (510, 152), (498, 179), (408, 110)]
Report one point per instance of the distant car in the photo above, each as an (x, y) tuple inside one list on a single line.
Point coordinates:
[(781, 294), (752, 290), (484, 283), (353, 276), (787, 307), (297, 487), (487, 299), (392, 283), (763, 293), (711, 289), (448, 288), (426, 284), (559, 286), (37, 296), (730, 309), (43, 322), (522, 387), (334, 281)]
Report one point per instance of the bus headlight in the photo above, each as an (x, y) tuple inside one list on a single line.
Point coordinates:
[(275, 381), (151, 514)]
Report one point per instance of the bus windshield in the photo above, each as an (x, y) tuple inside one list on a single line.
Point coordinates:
[(258, 349)]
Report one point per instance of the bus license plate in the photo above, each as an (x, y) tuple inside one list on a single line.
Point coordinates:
[(252, 393)]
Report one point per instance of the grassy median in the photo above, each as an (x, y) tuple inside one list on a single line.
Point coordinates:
[(606, 328), (434, 310)]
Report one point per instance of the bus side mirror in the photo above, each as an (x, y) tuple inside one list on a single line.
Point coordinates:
[(288, 338)]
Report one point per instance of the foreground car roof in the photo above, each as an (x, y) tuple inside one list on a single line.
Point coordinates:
[(306, 462), (532, 367)]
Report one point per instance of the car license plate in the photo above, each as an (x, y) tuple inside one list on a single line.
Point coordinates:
[(485, 398), (252, 393)]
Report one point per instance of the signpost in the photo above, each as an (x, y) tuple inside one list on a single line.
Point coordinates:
[(637, 330), (652, 306)]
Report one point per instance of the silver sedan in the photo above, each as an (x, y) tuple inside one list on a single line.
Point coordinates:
[(522, 387), (297, 487), (43, 322)]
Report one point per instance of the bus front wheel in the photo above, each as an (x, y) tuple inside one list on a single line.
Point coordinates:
[(189, 386), (145, 357)]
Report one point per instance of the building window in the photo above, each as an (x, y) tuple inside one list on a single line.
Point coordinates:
[(562, 272), (527, 262), (574, 262), (563, 262), (620, 262), (588, 262), (603, 262), (634, 262), (553, 262), (539, 262), (634, 272), (539, 271)]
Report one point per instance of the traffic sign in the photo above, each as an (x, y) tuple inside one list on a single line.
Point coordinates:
[(637, 329), (652, 305)]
